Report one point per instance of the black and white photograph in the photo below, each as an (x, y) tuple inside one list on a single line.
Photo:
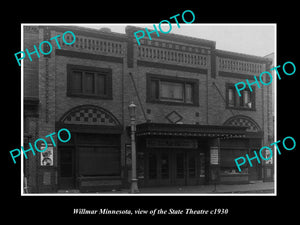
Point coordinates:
[(151, 114), (187, 113)]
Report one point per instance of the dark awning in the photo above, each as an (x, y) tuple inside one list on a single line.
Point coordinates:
[(189, 130)]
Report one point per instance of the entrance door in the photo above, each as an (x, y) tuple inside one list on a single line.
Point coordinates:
[(67, 168), (177, 167), (192, 164), (158, 168), (164, 165), (185, 168), (180, 168), (255, 172)]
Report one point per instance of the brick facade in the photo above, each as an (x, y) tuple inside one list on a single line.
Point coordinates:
[(170, 55)]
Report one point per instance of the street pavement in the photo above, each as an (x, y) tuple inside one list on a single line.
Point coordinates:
[(251, 188), (257, 187)]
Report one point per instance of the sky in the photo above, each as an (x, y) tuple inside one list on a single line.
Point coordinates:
[(253, 39)]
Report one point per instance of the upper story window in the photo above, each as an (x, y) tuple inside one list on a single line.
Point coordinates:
[(231, 97), (89, 82), (245, 101), (172, 90)]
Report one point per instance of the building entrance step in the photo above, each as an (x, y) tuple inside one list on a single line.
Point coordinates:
[(255, 181), (68, 191)]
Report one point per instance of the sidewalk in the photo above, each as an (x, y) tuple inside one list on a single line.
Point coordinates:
[(259, 187), (252, 188)]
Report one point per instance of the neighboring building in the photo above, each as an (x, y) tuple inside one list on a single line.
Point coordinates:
[(270, 119), (191, 124)]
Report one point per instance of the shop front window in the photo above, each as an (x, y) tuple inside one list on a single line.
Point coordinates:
[(233, 170), (99, 161), (228, 166)]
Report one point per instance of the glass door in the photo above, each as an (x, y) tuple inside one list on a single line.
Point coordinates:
[(185, 168), (192, 164), (67, 168), (158, 165), (176, 167), (152, 171), (164, 165), (180, 168)]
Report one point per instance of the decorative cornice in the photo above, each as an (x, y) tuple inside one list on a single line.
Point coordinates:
[(242, 56), (174, 37), (31, 29)]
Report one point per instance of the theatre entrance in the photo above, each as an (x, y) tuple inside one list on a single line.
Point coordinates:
[(173, 167)]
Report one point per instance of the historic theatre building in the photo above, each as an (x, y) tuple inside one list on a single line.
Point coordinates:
[(190, 122)]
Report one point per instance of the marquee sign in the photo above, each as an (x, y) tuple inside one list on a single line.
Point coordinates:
[(171, 143)]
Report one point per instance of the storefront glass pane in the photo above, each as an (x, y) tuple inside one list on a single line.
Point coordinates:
[(180, 165), (192, 166), (164, 166), (152, 166), (99, 161)]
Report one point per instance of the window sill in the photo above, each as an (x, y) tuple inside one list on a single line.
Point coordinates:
[(89, 96), (233, 174), (172, 103), (107, 177), (241, 108)]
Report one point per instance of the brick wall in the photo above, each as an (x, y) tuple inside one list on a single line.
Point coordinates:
[(212, 107), (30, 169), (31, 37), (46, 78), (218, 113), (30, 117), (173, 59)]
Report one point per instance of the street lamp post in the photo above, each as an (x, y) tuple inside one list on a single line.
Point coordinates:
[(134, 186)]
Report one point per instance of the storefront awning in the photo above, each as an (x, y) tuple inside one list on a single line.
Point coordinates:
[(190, 130)]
